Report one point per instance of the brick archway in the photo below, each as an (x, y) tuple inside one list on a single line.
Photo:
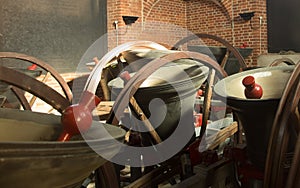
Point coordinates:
[(226, 7), (148, 6), (227, 4)]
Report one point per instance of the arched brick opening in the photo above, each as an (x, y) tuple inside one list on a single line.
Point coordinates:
[(227, 7)]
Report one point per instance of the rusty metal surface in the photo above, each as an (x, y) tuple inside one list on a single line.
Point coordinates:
[(57, 31)]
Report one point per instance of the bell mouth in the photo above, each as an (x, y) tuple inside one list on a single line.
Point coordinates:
[(34, 128), (28, 140), (256, 116), (272, 80)]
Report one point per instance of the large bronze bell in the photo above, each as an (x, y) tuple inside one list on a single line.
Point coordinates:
[(255, 115), (30, 156)]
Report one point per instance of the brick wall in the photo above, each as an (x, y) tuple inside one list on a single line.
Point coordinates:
[(162, 21), (223, 20), (167, 21)]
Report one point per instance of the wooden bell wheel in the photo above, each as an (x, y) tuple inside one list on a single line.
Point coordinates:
[(228, 46), (279, 61), (282, 163), (133, 84), (106, 175), (21, 82), (211, 78)]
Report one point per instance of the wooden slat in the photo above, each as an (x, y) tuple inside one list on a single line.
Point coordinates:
[(221, 136)]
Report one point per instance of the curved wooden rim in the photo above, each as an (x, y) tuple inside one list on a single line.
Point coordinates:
[(35, 87), (67, 91), (133, 84), (231, 48), (280, 134)]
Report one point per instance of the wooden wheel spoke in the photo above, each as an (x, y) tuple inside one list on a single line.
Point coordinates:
[(224, 60), (207, 101), (19, 94), (35, 87), (57, 100), (44, 80)]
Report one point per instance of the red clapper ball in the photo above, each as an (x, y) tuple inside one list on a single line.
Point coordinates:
[(78, 118), (252, 90)]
